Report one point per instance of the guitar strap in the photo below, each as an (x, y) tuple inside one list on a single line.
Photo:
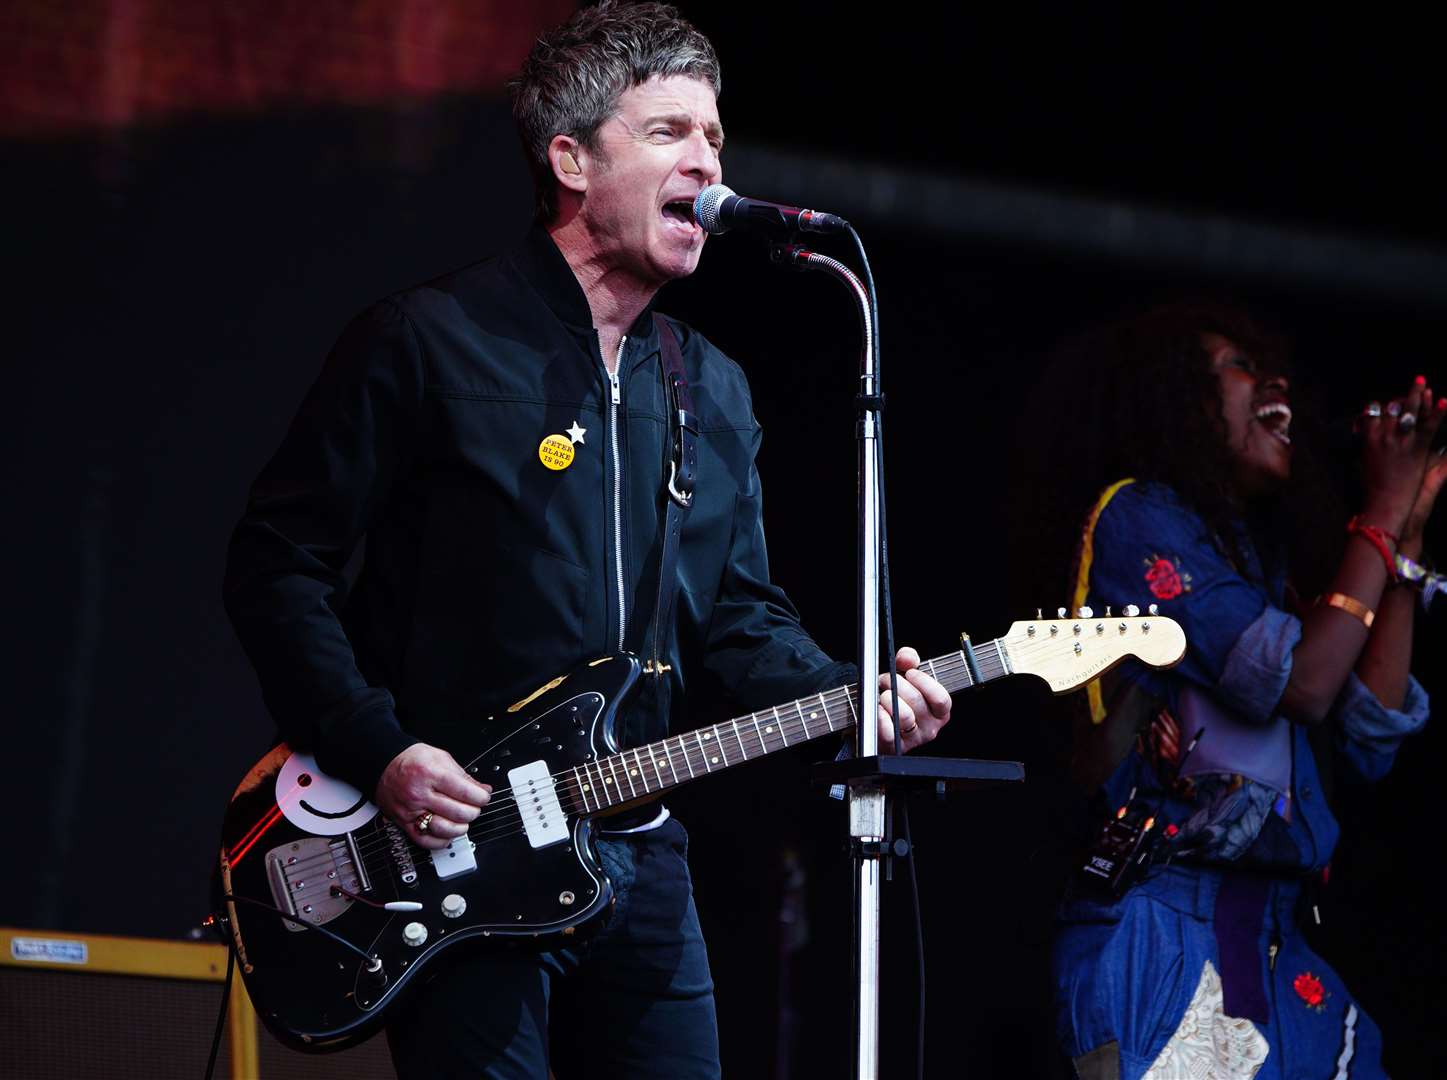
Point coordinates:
[(682, 466)]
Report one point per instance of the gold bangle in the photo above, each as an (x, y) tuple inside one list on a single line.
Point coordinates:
[(1350, 604)]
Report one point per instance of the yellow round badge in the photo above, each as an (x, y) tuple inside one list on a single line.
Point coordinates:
[(556, 452)]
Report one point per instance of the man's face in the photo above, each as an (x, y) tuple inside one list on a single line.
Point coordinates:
[(658, 151), (1257, 412)]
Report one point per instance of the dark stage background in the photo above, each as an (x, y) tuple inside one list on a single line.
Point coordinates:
[(196, 203)]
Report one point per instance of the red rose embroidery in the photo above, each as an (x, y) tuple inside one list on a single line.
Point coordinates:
[(1308, 987), (1165, 583)]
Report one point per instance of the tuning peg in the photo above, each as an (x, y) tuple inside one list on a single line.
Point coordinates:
[(1085, 613), (1061, 613), (1131, 611), (1039, 616), (1107, 611), (1154, 609)]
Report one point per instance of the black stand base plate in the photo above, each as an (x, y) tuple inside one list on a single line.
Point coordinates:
[(911, 771)]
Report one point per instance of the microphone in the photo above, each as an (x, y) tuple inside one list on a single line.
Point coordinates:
[(718, 208)]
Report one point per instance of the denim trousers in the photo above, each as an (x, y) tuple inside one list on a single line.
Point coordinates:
[(1128, 972)]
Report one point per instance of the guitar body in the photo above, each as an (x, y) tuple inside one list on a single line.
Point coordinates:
[(335, 915), (293, 835)]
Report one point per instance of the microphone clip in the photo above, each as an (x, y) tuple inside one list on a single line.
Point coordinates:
[(791, 256)]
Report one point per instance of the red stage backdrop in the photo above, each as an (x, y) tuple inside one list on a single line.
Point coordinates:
[(84, 65)]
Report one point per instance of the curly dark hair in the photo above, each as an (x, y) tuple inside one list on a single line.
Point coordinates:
[(1136, 397)]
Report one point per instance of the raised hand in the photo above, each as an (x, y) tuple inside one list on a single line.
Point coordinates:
[(1433, 476), (1396, 443)]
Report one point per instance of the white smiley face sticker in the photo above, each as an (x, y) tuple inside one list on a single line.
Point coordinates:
[(318, 803)]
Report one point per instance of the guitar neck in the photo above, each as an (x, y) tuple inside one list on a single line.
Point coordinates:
[(647, 770)]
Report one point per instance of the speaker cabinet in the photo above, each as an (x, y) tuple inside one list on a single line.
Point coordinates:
[(94, 1005)]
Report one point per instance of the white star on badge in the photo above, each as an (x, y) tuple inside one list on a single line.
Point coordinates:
[(576, 433)]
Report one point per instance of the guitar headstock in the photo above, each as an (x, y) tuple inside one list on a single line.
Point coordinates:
[(1068, 651)]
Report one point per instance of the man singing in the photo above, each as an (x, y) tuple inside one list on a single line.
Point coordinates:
[(500, 438)]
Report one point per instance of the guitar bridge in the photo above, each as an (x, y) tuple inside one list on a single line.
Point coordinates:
[(302, 873)]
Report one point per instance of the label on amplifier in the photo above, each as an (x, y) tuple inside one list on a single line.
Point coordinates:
[(49, 950)]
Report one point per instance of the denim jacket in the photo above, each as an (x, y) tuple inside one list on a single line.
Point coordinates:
[(1147, 546)]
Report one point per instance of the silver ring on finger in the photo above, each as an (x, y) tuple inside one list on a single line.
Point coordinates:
[(1373, 410), (424, 823), (1394, 408), (1406, 422)]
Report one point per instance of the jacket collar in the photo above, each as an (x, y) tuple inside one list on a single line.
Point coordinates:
[(543, 266)]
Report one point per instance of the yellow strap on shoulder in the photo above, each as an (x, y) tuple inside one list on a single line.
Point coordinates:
[(1082, 583)]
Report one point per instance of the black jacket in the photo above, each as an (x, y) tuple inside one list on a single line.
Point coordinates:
[(485, 572)]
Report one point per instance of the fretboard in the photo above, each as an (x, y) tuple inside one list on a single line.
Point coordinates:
[(647, 770)]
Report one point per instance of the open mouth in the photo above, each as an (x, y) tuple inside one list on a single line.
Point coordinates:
[(679, 213), (1275, 417)]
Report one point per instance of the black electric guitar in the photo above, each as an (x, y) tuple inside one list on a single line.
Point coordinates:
[(334, 913)]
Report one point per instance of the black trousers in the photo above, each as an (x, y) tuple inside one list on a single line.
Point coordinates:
[(635, 1000)]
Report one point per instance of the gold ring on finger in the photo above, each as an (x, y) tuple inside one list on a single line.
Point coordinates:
[(424, 822)]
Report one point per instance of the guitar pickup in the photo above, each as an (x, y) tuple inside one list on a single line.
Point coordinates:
[(457, 858), (537, 801)]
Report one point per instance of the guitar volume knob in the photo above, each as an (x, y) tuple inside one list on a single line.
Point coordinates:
[(414, 934), (453, 905)]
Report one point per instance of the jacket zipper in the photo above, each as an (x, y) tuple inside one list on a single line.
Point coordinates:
[(616, 398)]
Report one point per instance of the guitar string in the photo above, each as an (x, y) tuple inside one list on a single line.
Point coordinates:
[(573, 798), (576, 799), (486, 830), (839, 696), (570, 794)]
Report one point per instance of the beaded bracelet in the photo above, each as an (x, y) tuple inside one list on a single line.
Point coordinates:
[(1421, 578), (1378, 538)]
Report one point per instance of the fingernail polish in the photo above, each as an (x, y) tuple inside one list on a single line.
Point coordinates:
[(1421, 380)]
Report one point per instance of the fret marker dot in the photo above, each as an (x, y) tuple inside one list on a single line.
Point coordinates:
[(632, 772), (587, 787), (607, 779), (813, 716), (714, 760), (769, 728)]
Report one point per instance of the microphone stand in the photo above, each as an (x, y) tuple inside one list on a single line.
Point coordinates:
[(868, 776)]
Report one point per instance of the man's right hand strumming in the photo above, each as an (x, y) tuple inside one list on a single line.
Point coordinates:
[(426, 792)]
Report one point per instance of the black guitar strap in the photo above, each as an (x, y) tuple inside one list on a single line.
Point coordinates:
[(682, 467)]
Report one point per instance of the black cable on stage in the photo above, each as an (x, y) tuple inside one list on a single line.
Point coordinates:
[(221, 1014)]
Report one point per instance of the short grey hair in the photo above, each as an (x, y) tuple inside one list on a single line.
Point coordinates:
[(573, 77)]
